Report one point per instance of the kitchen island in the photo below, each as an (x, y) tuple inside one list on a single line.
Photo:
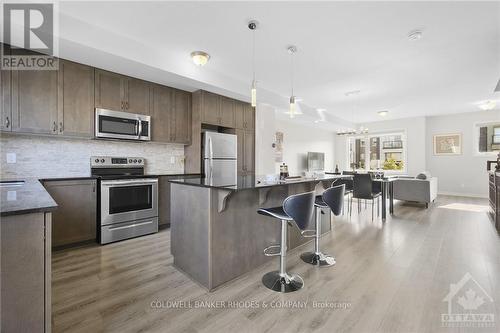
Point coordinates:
[(216, 233)]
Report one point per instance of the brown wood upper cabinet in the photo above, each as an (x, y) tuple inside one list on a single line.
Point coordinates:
[(210, 108), (249, 117), (75, 99), (217, 110), (138, 96), (226, 112), (181, 117), (162, 113), (244, 115), (74, 220), (5, 101), (171, 115), (118, 92), (34, 101)]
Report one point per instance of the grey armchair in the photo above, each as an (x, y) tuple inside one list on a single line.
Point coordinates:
[(415, 189)]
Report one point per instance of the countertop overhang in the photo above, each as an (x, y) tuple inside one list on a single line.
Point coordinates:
[(248, 182), (28, 197)]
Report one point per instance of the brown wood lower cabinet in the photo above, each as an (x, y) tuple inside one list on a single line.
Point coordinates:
[(75, 219), (164, 198), (163, 201), (25, 273)]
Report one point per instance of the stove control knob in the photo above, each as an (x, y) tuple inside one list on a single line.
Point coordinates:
[(135, 161), (130, 161), (102, 160), (140, 161), (97, 160)]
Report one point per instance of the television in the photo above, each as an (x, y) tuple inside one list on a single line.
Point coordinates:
[(315, 161)]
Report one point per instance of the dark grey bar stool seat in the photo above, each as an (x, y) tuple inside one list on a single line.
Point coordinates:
[(299, 209), (317, 257)]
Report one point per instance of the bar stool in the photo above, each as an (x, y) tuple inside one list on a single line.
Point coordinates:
[(335, 197), (297, 208)]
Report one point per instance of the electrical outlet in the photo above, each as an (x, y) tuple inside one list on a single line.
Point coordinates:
[(11, 195), (11, 157), (172, 159)]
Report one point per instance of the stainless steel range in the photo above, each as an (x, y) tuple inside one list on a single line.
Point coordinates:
[(128, 200)]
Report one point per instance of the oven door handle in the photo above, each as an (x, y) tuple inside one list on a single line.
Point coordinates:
[(129, 182), (130, 225)]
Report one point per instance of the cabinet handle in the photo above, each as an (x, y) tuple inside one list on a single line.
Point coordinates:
[(61, 127), (7, 122), (54, 127), (126, 105)]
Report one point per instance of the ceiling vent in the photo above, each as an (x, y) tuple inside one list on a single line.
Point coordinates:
[(497, 89)]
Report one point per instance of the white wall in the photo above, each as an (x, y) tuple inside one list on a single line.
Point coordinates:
[(463, 174), (459, 175), (299, 139)]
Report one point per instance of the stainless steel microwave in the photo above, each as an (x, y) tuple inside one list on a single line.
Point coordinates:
[(122, 125)]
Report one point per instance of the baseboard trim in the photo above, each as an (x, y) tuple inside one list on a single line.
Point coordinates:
[(469, 195)]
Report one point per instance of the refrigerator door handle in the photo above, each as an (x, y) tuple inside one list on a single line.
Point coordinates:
[(210, 157)]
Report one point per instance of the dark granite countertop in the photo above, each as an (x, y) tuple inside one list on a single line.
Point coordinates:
[(255, 182), (32, 197), (247, 182), (23, 198), (144, 176)]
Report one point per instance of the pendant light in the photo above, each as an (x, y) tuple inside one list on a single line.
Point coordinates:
[(252, 25), (293, 103)]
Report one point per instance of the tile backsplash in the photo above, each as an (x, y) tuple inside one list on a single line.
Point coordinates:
[(46, 157)]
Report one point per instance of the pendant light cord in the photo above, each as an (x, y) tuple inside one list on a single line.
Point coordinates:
[(253, 54), (291, 61)]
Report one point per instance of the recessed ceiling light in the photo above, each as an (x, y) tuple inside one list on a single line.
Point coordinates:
[(200, 58), (383, 113), (487, 105), (353, 92), (415, 35)]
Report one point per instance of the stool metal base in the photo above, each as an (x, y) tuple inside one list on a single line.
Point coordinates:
[(285, 284), (318, 259)]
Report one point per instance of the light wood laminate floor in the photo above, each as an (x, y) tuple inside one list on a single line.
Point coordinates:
[(389, 277)]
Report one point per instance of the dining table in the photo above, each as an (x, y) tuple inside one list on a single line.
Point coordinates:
[(387, 188)]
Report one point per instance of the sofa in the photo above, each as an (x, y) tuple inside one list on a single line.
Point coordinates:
[(422, 188)]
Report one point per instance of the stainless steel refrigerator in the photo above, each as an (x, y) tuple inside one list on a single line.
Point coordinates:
[(219, 154)]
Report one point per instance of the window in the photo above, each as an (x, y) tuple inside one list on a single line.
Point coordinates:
[(378, 152), (487, 136)]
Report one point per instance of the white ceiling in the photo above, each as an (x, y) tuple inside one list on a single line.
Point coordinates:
[(343, 46)]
